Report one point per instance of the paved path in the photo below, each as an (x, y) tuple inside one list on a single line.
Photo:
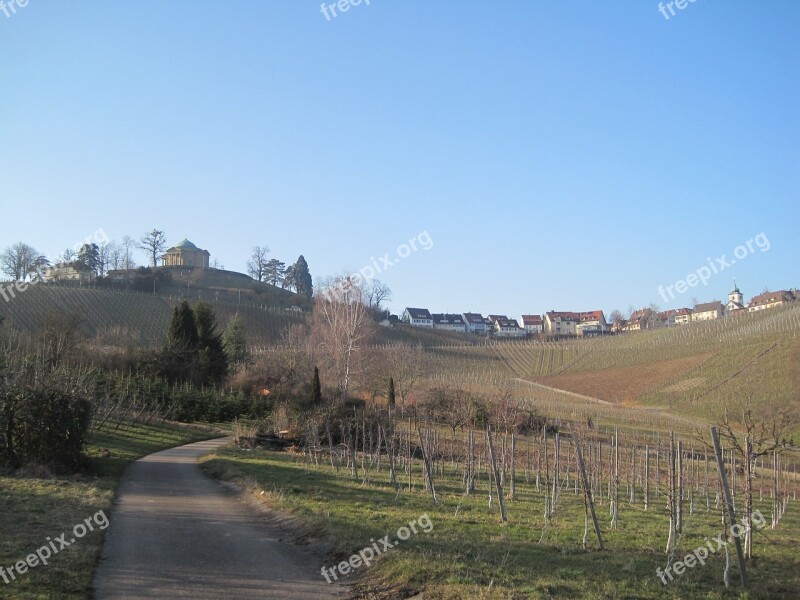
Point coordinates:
[(175, 533)]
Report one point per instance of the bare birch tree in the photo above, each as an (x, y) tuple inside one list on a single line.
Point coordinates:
[(341, 326)]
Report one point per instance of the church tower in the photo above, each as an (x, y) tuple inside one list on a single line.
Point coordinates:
[(735, 300)]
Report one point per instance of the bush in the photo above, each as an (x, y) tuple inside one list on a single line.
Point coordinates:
[(45, 426)]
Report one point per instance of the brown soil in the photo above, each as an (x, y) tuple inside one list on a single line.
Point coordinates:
[(625, 384)]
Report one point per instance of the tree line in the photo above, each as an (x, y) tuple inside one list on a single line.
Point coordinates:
[(95, 257)]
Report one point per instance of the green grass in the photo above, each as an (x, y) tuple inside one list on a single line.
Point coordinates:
[(35, 506), (470, 554)]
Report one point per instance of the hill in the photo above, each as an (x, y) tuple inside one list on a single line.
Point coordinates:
[(689, 369), (128, 318)]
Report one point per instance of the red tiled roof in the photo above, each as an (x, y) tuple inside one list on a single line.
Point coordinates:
[(594, 315), (769, 297), (532, 320)]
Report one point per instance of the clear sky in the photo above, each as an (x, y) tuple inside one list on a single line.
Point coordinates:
[(560, 155)]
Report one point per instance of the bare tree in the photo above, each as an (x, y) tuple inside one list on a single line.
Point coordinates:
[(153, 243), (128, 244), (616, 317), (407, 366), (377, 293), (340, 326), (286, 364), (68, 256), (114, 256), (104, 251), (21, 261), (257, 265), (754, 432), (450, 406)]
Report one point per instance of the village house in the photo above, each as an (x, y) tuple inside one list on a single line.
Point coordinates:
[(772, 299), (418, 317), (561, 323), (449, 322), (505, 327), (683, 316), (67, 271), (708, 311), (475, 323), (674, 316), (591, 324), (643, 319), (532, 324)]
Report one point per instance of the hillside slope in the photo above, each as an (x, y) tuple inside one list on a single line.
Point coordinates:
[(118, 318), (692, 369)]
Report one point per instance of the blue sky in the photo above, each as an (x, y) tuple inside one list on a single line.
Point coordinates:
[(561, 155)]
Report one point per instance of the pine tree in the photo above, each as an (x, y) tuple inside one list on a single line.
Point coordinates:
[(275, 271), (234, 340), (391, 393), (88, 260), (212, 362), (182, 335), (302, 278)]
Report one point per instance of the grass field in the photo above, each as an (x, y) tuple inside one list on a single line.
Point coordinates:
[(35, 506), (470, 554)]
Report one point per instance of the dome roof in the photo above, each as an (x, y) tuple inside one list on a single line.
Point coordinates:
[(186, 244)]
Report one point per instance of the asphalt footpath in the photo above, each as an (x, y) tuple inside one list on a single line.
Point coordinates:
[(176, 533)]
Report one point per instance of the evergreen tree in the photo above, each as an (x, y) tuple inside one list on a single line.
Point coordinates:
[(234, 341), (391, 393), (211, 360), (182, 335), (289, 281), (275, 271), (316, 389), (302, 278), (88, 260)]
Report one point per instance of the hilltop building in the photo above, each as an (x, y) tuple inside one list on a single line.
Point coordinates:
[(186, 254), (772, 299), (418, 317), (475, 323), (449, 322)]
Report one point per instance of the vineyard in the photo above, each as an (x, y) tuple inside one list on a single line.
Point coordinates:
[(514, 514), (691, 369), (129, 318)]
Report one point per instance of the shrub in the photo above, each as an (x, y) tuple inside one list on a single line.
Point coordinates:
[(47, 427)]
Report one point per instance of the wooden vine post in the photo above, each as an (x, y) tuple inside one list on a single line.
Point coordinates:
[(587, 492), (729, 503), (496, 474)]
